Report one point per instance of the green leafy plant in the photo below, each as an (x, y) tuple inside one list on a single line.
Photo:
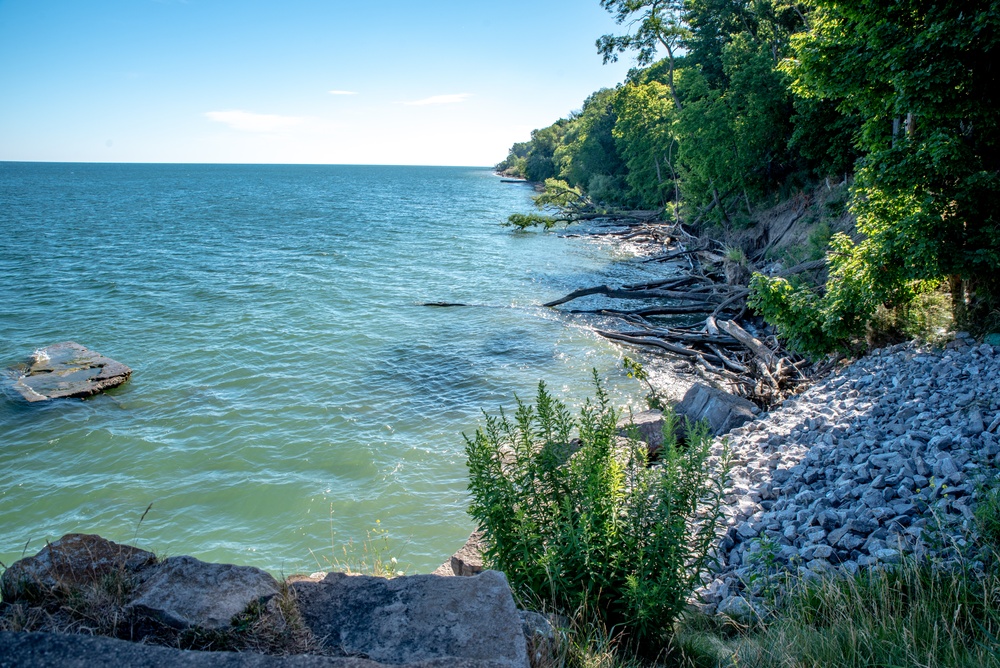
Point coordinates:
[(587, 523), (634, 369)]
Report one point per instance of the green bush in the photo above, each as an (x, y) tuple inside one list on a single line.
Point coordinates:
[(589, 524)]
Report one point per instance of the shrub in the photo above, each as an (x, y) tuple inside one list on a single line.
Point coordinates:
[(589, 524)]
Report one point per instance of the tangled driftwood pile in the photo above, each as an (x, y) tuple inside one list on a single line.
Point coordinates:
[(707, 283)]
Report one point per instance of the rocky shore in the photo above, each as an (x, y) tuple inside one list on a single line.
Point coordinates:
[(882, 459)]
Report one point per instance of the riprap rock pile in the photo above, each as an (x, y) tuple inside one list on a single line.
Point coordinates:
[(862, 468)]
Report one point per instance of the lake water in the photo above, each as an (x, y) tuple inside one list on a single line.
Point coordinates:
[(290, 392)]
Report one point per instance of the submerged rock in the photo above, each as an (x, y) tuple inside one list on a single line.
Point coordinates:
[(69, 370)]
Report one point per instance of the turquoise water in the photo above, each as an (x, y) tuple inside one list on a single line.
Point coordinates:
[(289, 390)]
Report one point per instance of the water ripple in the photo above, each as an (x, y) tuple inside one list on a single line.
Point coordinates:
[(286, 381)]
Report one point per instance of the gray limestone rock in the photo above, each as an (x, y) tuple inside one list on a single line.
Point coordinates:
[(69, 370), (184, 592), (722, 410), (47, 650), (738, 608), (648, 427), (467, 561), (416, 618), (73, 561)]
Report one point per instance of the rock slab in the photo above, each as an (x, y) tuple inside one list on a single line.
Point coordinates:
[(416, 618), (59, 650), (722, 411), (184, 592), (69, 370), (72, 561)]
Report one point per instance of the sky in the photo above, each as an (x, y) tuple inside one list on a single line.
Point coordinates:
[(447, 82)]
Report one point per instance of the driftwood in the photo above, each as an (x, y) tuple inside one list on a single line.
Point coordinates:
[(755, 366), (621, 293), (803, 267), (753, 344), (647, 312)]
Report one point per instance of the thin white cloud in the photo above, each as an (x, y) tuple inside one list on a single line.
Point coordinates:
[(342, 92), (440, 99), (248, 121)]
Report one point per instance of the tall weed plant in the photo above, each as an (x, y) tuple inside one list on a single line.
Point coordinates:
[(577, 517)]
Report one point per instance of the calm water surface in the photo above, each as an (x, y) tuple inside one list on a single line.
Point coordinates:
[(289, 390)]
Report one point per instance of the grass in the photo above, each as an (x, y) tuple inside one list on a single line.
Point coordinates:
[(913, 616), (372, 556)]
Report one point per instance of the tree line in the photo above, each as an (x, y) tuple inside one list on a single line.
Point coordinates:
[(756, 99)]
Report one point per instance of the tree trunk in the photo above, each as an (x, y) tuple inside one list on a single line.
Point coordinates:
[(959, 310)]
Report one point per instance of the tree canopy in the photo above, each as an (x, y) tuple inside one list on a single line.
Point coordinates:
[(758, 97)]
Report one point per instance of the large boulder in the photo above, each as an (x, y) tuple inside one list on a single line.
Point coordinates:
[(69, 370), (722, 411), (416, 618), (185, 592), (73, 561)]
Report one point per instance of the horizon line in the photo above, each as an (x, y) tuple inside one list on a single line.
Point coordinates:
[(248, 164)]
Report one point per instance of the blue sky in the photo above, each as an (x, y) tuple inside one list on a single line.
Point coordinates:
[(291, 81)]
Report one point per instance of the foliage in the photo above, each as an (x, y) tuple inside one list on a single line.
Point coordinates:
[(594, 528), (920, 77), (658, 23), (588, 148), (644, 138), (634, 369), (988, 517), (558, 196)]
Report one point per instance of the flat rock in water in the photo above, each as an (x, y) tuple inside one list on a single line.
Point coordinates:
[(69, 370), (416, 618), (468, 561)]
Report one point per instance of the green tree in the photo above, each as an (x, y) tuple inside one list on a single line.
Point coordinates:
[(922, 77), (588, 149), (657, 23), (643, 135)]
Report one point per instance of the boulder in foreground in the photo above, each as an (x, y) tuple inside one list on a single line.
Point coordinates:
[(184, 593), (69, 370), (416, 618), (72, 561), (50, 650)]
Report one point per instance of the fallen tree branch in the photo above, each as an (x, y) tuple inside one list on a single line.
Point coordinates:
[(619, 293), (753, 344)]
